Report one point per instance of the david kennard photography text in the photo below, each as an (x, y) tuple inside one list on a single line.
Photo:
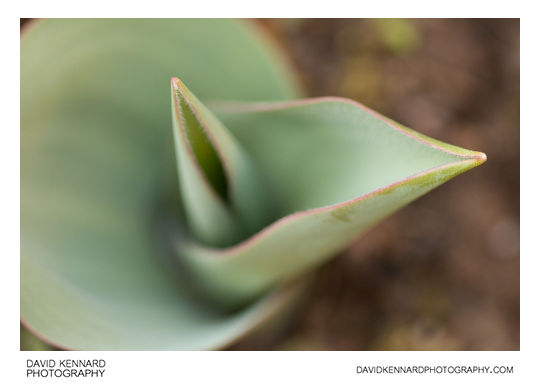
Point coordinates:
[(65, 368)]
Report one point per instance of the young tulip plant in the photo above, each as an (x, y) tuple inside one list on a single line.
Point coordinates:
[(116, 256)]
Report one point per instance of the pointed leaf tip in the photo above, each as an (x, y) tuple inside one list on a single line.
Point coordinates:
[(221, 190), (481, 158), (195, 137)]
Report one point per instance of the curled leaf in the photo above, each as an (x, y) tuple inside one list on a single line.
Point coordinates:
[(98, 177), (268, 190), (335, 168), (222, 192)]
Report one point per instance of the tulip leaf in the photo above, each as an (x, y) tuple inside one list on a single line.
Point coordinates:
[(98, 171), (335, 168), (222, 191), (114, 257)]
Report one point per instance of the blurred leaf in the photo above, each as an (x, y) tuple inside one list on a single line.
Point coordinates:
[(98, 172), (29, 342)]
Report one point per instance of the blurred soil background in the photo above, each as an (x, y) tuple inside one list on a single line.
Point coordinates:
[(442, 273)]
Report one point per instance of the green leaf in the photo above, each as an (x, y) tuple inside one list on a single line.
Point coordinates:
[(98, 176), (29, 342), (222, 191), (334, 168), (283, 185)]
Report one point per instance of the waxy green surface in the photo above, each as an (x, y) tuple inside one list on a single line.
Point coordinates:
[(332, 168), (116, 249)]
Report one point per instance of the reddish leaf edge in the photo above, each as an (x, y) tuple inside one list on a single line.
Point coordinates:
[(474, 159)]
